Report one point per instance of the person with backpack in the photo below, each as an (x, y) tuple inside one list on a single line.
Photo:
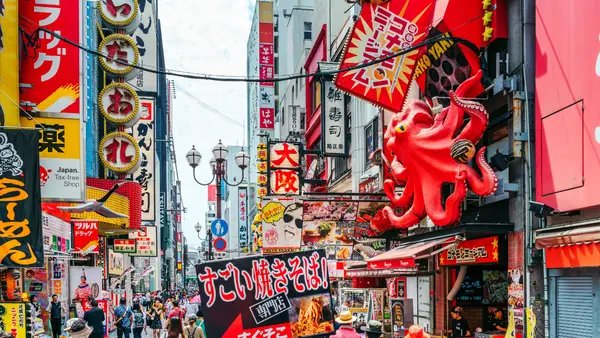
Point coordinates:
[(123, 319), (95, 318), (191, 330), (138, 321), (176, 313)]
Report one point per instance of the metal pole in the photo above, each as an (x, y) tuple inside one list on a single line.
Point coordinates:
[(219, 173)]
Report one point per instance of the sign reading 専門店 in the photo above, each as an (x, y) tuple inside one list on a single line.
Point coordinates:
[(284, 295), (21, 239)]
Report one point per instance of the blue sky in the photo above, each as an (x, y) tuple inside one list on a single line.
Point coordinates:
[(205, 37)]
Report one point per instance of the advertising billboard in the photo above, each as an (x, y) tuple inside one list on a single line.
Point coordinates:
[(143, 133), (9, 59)]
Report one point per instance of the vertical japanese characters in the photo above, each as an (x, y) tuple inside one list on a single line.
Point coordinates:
[(144, 132), (21, 239), (334, 121), (284, 168), (266, 61)]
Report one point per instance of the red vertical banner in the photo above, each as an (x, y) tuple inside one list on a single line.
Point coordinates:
[(53, 69), (212, 193), (266, 68), (85, 236)]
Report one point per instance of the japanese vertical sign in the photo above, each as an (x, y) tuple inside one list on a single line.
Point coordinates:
[(266, 61), (21, 240), (333, 121), (274, 296), (145, 240), (13, 319), (85, 236), (54, 71), (285, 164), (62, 173), (243, 218), (282, 226), (9, 59), (383, 30), (143, 132), (179, 247), (145, 38)]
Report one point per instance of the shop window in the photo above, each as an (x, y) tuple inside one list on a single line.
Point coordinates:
[(371, 139)]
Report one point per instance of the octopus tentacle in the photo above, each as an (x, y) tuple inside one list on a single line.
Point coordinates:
[(412, 217), (399, 201), (453, 118), (399, 171), (451, 214), (479, 119), (488, 183)]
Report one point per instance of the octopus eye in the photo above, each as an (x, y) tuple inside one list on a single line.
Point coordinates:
[(400, 129)]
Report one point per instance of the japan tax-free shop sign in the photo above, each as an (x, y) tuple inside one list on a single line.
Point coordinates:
[(284, 295)]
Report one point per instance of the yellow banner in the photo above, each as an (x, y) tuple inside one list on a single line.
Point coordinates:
[(9, 63), (510, 330), (60, 139), (13, 319), (531, 323)]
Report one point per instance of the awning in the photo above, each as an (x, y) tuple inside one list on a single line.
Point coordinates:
[(549, 237), (358, 273), (570, 247), (404, 256)]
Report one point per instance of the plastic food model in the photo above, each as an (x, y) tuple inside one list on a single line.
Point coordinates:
[(423, 148)]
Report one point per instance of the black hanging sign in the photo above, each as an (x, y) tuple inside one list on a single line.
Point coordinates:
[(21, 240), (267, 296)]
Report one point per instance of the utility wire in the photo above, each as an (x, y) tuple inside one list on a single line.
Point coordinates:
[(198, 76), (205, 105)]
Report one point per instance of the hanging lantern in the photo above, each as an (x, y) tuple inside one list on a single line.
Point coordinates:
[(123, 16), (119, 152), (262, 179), (120, 104), (120, 56)]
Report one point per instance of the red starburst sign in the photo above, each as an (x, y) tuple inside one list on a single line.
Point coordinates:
[(379, 31)]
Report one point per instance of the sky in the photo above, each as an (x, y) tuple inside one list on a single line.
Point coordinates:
[(205, 37)]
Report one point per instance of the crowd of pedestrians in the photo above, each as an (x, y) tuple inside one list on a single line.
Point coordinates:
[(175, 315)]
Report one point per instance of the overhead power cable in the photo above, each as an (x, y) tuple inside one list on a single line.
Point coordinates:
[(198, 76), (205, 105)]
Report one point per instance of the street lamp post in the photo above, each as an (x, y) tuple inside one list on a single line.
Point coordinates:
[(217, 164)]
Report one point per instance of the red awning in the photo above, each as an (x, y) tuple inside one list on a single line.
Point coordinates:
[(574, 247), (404, 256)]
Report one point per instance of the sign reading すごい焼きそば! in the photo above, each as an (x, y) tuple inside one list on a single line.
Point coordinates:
[(21, 243), (258, 295)]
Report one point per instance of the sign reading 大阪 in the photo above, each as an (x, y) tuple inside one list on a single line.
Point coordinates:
[(334, 121), (143, 133), (21, 243), (145, 242), (274, 296), (285, 164)]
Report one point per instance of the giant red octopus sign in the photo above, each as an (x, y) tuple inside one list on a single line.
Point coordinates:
[(427, 154)]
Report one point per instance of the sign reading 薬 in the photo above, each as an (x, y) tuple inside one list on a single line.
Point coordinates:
[(267, 296)]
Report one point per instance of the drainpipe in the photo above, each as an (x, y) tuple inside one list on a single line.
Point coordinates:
[(528, 82)]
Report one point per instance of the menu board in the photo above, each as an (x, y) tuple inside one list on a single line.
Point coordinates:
[(472, 287), (402, 316), (495, 287), (424, 308)]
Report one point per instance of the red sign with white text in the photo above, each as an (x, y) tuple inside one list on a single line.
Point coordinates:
[(266, 54), (567, 76), (392, 264), (267, 118), (474, 251), (212, 192), (383, 30), (85, 236), (53, 67)]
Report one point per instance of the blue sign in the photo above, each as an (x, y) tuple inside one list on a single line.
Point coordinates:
[(219, 227)]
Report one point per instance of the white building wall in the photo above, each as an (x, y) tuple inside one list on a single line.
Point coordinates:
[(333, 13)]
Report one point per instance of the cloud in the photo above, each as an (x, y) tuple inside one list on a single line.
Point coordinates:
[(205, 37)]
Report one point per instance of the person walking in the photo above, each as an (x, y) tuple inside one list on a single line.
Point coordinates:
[(138, 320), (177, 313), (191, 330), (175, 328), (56, 314), (123, 319), (346, 330), (154, 315), (95, 318)]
